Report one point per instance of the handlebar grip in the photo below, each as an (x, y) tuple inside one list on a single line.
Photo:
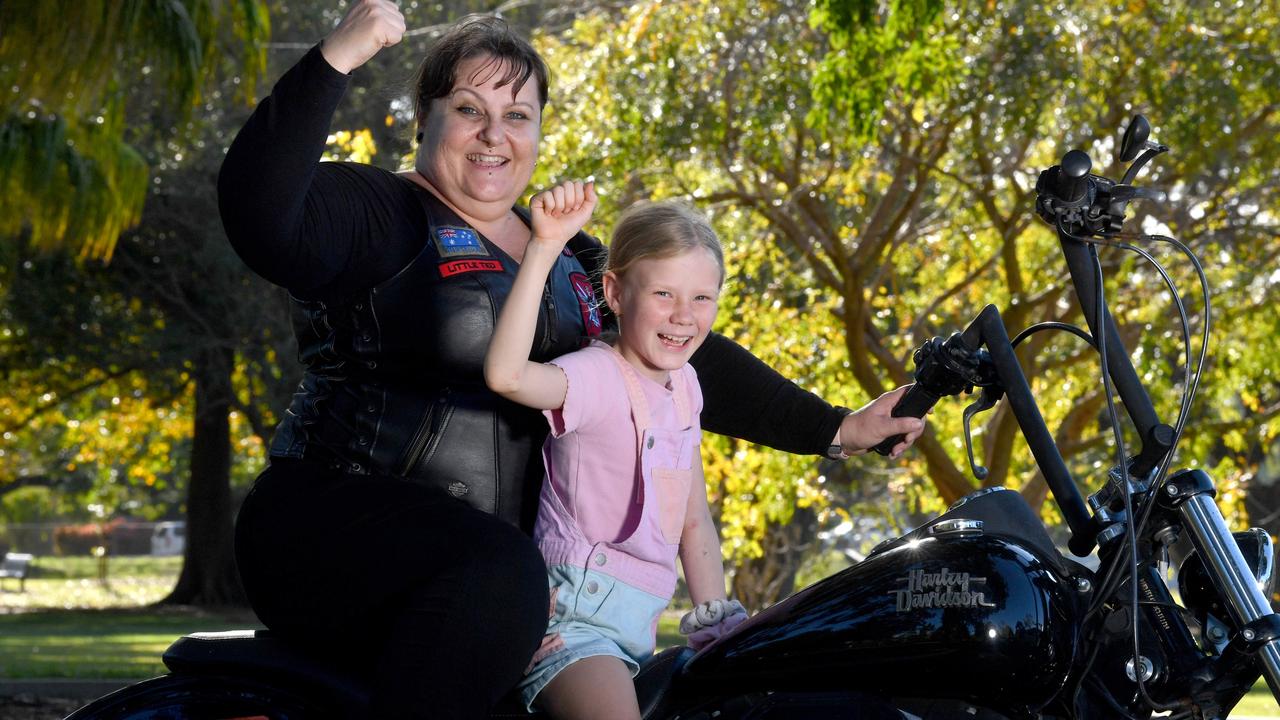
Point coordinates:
[(915, 403), (1073, 176)]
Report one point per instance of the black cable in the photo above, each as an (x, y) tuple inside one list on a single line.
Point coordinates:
[(1193, 381), (1084, 675), (1109, 580), (1189, 385), (1106, 695), (1123, 464), (1127, 490), (1190, 388), (1038, 327)]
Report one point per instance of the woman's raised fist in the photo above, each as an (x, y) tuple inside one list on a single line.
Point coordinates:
[(369, 26)]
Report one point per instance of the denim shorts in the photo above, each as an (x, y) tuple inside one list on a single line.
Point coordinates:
[(595, 614)]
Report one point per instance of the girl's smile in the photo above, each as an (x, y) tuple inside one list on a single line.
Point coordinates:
[(665, 308)]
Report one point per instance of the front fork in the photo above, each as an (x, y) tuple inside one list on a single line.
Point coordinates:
[(1221, 584), (1190, 493)]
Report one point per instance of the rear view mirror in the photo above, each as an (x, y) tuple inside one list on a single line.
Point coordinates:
[(1135, 138)]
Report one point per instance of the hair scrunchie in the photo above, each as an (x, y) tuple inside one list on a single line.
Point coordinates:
[(710, 621)]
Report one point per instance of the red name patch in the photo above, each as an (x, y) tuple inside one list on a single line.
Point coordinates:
[(457, 267)]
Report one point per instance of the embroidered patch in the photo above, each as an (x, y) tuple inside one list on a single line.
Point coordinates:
[(586, 303), (457, 267), (459, 242)]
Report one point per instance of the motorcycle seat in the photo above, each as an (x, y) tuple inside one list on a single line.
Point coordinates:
[(263, 655)]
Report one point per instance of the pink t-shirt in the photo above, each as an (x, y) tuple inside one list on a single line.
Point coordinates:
[(591, 453)]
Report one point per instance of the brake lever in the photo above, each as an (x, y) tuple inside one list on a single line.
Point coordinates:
[(1126, 193), (991, 395)]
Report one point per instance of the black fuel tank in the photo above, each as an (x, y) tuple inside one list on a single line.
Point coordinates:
[(966, 616)]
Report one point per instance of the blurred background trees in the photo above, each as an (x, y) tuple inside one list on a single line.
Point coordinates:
[(870, 167)]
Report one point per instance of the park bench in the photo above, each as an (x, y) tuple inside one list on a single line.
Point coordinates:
[(16, 565)]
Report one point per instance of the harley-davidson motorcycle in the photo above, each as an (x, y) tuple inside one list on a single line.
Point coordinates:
[(976, 614)]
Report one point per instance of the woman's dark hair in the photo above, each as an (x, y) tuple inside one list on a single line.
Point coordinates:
[(471, 36)]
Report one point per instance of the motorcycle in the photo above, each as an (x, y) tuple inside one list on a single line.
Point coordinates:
[(975, 614)]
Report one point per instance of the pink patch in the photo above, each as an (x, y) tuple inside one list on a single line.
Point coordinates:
[(587, 303)]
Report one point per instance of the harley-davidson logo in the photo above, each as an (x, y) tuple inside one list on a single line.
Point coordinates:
[(941, 589)]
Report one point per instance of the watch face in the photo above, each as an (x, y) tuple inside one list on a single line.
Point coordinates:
[(835, 452)]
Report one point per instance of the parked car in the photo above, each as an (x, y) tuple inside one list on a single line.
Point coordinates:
[(169, 538)]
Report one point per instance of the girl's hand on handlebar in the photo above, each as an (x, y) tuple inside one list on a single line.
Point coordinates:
[(560, 212), (868, 426), (369, 26)]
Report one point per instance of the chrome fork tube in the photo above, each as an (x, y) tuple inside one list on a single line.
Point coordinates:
[(1212, 540)]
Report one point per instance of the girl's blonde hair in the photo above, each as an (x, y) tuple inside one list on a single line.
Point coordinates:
[(660, 230)]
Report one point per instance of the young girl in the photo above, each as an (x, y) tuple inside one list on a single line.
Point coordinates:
[(624, 491)]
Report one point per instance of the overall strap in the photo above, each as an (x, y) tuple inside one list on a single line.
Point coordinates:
[(639, 416), (639, 403), (682, 395)]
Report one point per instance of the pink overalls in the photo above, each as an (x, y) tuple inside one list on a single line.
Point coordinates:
[(607, 596)]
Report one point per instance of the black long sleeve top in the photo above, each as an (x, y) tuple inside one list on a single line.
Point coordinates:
[(328, 231)]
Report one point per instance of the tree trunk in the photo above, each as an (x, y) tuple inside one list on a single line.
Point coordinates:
[(763, 581), (209, 576)]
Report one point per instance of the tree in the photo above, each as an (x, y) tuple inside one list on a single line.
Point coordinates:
[(227, 338), (82, 131), (905, 207), (69, 173), (155, 368)]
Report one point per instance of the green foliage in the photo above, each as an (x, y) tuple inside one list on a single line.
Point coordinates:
[(877, 48), (31, 504), (870, 166), (80, 183), (68, 173)]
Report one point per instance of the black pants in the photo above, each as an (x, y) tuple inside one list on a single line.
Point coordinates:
[(445, 603)]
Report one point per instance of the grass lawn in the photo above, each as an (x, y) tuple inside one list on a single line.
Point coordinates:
[(1258, 703), (112, 643), (73, 583), (70, 624), (121, 643)]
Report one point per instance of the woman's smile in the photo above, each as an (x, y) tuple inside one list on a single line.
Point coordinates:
[(480, 143)]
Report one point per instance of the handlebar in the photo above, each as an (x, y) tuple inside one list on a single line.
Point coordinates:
[(1080, 206), (1076, 203), (956, 365), (942, 369), (1072, 181), (916, 403)]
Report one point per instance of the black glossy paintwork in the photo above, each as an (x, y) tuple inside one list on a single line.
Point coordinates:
[(848, 631)]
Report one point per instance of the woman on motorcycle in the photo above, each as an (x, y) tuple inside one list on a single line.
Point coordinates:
[(393, 448)]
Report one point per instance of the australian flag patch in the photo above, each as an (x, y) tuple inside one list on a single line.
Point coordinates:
[(458, 242)]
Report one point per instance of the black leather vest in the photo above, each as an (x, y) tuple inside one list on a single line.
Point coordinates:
[(394, 381)]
